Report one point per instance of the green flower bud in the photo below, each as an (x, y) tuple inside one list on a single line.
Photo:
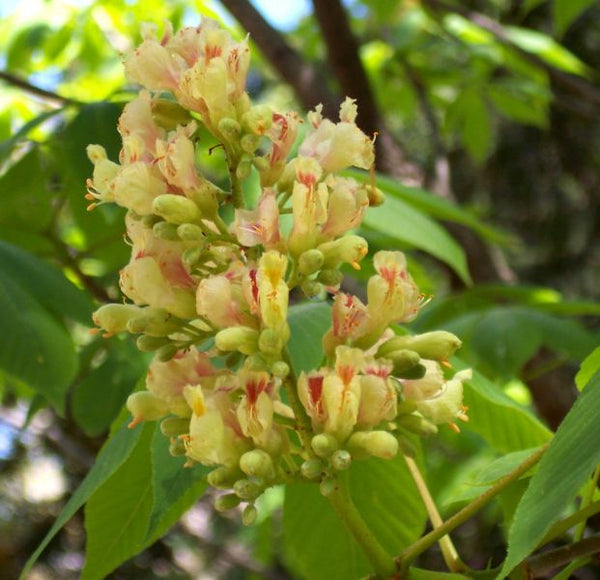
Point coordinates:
[(227, 502), (165, 231), (260, 163), (241, 338), (174, 426), (147, 343), (191, 257), (229, 128), (116, 317), (244, 167), (175, 209), (149, 220), (168, 114), (312, 468), (250, 143), (248, 489), (257, 362), (417, 424), (167, 352), (249, 514), (347, 249), (223, 477), (280, 369), (375, 195), (177, 448), (330, 277), (406, 407), (190, 233), (328, 486), (437, 345), (258, 119), (416, 372), (403, 360), (154, 322), (376, 443), (310, 262), (341, 460), (311, 288), (145, 406), (270, 341), (324, 444), (257, 463)]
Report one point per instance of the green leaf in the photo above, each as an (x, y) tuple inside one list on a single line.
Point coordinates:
[(118, 513), (316, 543), (176, 488), (113, 453), (435, 206), (34, 346), (406, 225), (46, 284), (504, 424), (308, 323), (546, 48), (572, 456), (516, 104), (589, 367), (567, 11), (99, 397)]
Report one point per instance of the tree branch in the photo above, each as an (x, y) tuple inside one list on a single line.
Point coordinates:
[(541, 564), (26, 86)]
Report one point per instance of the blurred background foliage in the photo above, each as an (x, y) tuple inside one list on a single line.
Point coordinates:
[(488, 121)]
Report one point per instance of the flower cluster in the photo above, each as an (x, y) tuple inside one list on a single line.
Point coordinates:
[(210, 297)]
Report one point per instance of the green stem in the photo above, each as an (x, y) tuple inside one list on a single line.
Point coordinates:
[(408, 555), (304, 427), (559, 528), (451, 557), (342, 503), (585, 501)]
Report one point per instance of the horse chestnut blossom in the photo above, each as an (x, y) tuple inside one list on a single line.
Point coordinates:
[(210, 295)]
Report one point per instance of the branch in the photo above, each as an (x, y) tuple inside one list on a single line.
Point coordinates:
[(20, 83), (308, 83), (541, 564)]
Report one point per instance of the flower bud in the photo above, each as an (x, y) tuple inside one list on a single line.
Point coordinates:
[(312, 468), (414, 373), (416, 424), (248, 489), (147, 343), (406, 407), (227, 502), (330, 277), (280, 369), (258, 119), (165, 231), (190, 233), (174, 426), (376, 196), (437, 345), (249, 514), (250, 143), (311, 288), (191, 257), (244, 167), (260, 163), (324, 445), (328, 486), (376, 443), (175, 209), (144, 406), (348, 249), (223, 477), (256, 362), (403, 361), (310, 262), (147, 221), (341, 460), (257, 463), (167, 352), (241, 338), (168, 114), (229, 128), (271, 341), (154, 322), (177, 448), (115, 317)]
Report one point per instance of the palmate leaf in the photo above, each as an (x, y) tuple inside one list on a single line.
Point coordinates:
[(572, 456)]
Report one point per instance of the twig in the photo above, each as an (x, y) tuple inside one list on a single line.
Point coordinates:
[(37, 91), (541, 564)]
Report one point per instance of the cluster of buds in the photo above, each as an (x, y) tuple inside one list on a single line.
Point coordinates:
[(210, 297)]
